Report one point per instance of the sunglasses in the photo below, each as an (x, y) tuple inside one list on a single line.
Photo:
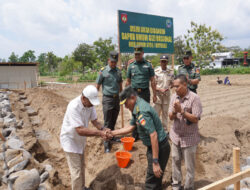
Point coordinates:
[(186, 58)]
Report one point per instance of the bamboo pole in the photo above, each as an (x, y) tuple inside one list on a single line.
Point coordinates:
[(119, 63), (236, 165)]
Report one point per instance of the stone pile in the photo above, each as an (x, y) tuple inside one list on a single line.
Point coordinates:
[(16, 172)]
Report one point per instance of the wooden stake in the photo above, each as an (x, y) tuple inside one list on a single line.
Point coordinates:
[(236, 165), (119, 63), (173, 61)]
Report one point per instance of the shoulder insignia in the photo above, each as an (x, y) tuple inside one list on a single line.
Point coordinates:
[(137, 109), (142, 121)]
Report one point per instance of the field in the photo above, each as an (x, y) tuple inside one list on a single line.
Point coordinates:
[(225, 124)]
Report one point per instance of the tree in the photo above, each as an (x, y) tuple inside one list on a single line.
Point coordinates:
[(13, 58), (69, 65), (52, 61), (102, 48), (203, 41), (28, 56), (43, 67), (85, 54), (179, 48)]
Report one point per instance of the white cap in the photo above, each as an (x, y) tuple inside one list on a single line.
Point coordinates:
[(91, 93)]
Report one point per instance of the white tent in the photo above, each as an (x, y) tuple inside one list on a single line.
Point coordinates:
[(18, 75)]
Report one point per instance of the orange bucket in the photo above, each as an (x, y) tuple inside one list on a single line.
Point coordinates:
[(128, 143), (123, 158)]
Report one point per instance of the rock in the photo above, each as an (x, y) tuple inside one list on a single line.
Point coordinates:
[(44, 186), (26, 154), (14, 143), (31, 111), (230, 187), (4, 104), (35, 121), (15, 175), (26, 102), (22, 97), (1, 122), (19, 124), (10, 115), (15, 161), (9, 154), (28, 181), (48, 167), (248, 160), (21, 92), (245, 168), (7, 132), (19, 166), (44, 176), (246, 181), (2, 114), (8, 121)]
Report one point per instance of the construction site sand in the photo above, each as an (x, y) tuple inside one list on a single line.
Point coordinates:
[(225, 124)]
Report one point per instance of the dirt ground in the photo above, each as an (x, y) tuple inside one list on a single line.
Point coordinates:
[(225, 124)]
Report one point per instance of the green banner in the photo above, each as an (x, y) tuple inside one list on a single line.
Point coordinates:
[(153, 33)]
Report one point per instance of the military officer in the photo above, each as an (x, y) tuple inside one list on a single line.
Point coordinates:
[(192, 72), (151, 133), (163, 78), (110, 78), (139, 73)]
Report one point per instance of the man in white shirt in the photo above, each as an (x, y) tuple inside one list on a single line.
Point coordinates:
[(75, 130)]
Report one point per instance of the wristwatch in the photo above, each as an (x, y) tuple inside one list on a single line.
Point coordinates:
[(155, 160)]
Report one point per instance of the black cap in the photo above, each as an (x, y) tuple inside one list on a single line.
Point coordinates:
[(138, 49), (113, 56), (126, 93), (188, 53), (164, 57)]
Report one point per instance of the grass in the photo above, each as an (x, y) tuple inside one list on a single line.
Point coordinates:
[(226, 71)]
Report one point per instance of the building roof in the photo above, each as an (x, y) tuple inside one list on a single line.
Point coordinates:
[(18, 64)]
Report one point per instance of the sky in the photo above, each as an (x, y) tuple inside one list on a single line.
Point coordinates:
[(60, 25)]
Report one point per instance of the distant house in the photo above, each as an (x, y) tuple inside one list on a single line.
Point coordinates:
[(225, 59), (18, 75)]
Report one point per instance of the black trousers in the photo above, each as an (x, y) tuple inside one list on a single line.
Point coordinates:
[(143, 93), (152, 182), (193, 90), (111, 109)]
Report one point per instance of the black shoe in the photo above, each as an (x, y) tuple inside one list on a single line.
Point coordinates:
[(106, 147), (85, 188)]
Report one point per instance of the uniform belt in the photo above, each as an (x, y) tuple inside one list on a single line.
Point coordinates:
[(140, 89), (112, 96)]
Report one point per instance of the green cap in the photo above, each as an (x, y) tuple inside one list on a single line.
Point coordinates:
[(126, 93), (113, 56), (138, 49)]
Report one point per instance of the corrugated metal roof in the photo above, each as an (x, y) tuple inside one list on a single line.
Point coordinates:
[(19, 64)]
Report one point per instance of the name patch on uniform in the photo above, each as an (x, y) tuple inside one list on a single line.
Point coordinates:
[(145, 66), (142, 121)]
